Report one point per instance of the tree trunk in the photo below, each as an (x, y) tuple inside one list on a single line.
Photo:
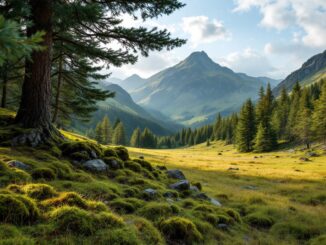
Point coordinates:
[(57, 97), (34, 110), (4, 87)]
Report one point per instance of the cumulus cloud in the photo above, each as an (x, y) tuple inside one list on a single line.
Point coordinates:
[(309, 15), (203, 30), (250, 62)]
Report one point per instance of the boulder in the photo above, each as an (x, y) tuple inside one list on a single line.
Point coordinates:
[(181, 185), (176, 174), (96, 165), (19, 165), (194, 188), (215, 202), (202, 196), (93, 155), (150, 193)]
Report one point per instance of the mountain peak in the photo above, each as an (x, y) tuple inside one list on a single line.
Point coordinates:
[(134, 77), (199, 57)]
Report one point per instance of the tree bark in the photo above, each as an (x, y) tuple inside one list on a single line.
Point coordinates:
[(57, 97), (34, 110), (4, 86)]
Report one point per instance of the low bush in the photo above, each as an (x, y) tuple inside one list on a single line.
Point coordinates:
[(43, 173), (123, 236), (17, 209), (68, 148), (179, 230), (144, 164), (80, 156), (122, 207), (156, 211), (122, 153), (259, 220), (39, 191)]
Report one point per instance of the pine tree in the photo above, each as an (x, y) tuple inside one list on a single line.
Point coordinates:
[(135, 140), (116, 123), (148, 139), (264, 140), (319, 116), (99, 133), (246, 128), (119, 136), (107, 130), (281, 114)]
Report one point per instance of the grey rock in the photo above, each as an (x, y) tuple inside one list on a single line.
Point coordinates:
[(113, 163), (215, 202), (170, 194), (150, 192), (194, 188), (181, 185), (93, 155), (169, 200), (95, 165), (161, 168), (18, 164), (202, 196), (222, 226), (176, 174), (250, 187)]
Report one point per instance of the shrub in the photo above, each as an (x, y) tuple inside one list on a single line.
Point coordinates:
[(43, 173), (157, 211), (131, 192), (67, 198), (144, 164), (55, 151), (180, 230), (80, 156), (134, 166), (119, 237), (113, 163), (256, 200), (39, 191), (233, 214), (122, 153), (122, 206), (259, 220), (78, 221), (17, 209), (109, 152), (147, 232), (68, 148), (205, 208)]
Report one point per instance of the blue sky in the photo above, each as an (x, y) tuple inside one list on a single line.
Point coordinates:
[(259, 37)]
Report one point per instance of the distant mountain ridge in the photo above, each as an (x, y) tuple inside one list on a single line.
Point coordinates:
[(195, 90), (311, 71)]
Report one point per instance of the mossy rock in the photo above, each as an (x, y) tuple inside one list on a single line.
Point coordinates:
[(259, 220), (178, 230), (122, 207), (122, 153), (131, 192), (122, 236), (68, 148), (109, 152), (12, 175), (77, 221), (144, 164), (81, 156), (17, 209), (134, 166), (157, 211), (113, 162), (43, 173)]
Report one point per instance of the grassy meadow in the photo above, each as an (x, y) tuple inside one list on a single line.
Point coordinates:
[(278, 185)]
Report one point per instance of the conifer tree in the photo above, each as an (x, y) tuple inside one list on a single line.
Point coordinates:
[(99, 133), (148, 139), (263, 140), (119, 136), (281, 114), (246, 128), (107, 130), (319, 116), (135, 140)]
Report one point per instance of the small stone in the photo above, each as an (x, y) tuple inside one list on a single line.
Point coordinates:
[(169, 200), (141, 157), (181, 185), (176, 174), (233, 169), (150, 193), (162, 168), (95, 165), (194, 188), (250, 187), (215, 202), (170, 194), (202, 196), (93, 155), (304, 159), (222, 226), (18, 164)]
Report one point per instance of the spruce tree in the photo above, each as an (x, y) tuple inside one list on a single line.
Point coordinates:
[(99, 133), (281, 114), (107, 130), (264, 141), (319, 116), (135, 140), (148, 139), (246, 127), (119, 136)]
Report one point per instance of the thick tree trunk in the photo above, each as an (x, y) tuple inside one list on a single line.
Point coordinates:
[(57, 97), (34, 110), (4, 87)]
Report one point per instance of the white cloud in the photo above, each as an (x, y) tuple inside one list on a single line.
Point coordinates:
[(203, 30), (308, 15), (250, 62)]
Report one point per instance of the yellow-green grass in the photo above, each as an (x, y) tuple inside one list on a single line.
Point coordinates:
[(280, 183)]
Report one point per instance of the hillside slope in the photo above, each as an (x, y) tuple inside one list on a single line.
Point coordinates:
[(132, 115), (196, 89), (311, 71)]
